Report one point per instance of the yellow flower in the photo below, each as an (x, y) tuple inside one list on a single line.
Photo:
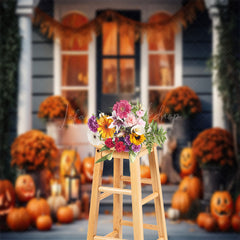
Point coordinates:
[(137, 139), (104, 129)]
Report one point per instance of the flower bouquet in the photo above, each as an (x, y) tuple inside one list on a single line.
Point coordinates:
[(126, 130)]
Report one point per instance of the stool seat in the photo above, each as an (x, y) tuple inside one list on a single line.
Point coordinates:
[(100, 192)]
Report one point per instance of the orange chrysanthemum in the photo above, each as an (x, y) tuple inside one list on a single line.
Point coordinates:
[(104, 129)]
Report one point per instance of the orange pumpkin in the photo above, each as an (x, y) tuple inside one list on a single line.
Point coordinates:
[(221, 204), (163, 178), (181, 201), (192, 185), (235, 221), (224, 223), (210, 223), (237, 204), (65, 215), (87, 165), (25, 188), (201, 219), (188, 163), (7, 197), (18, 219), (37, 207), (44, 223), (145, 171)]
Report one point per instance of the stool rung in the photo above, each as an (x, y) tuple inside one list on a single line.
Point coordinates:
[(107, 238), (145, 225), (143, 180), (104, 195), (115, 190), (149, 198), (111, 234)]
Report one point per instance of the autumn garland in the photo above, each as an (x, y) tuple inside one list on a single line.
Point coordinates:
[(83, 34)]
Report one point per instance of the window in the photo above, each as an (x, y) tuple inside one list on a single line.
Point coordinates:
[(74, 69), (161, 65)]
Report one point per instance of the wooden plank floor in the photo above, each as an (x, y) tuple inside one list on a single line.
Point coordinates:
[(78, 231)]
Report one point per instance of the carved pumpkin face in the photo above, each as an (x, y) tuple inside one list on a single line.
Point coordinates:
[(187, 162), (25, 188), (221, 204), (7, 197)]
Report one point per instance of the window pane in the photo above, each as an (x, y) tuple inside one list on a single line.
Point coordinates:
[(160, 41), (161, 70), (127, 75), (79, 102), (127, 37), (109, 36), (109, 77), (73, 20), (155, 105), (74, 70)]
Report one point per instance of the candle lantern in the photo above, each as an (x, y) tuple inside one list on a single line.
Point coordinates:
[(72, 184), (56, 187)]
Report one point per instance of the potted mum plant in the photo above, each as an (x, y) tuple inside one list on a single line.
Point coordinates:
[(213, 149), (34, 152)]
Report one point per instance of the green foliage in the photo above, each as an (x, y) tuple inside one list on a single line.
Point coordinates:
[(9, 56)]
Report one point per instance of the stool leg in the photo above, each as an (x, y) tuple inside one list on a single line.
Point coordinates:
[(94, 206), (158, 202), (136, 200), (117, 198)]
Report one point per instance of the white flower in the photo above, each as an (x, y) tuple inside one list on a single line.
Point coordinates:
[(94, 138), (138, 129)]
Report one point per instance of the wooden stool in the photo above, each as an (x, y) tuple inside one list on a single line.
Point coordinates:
[(100, 192)]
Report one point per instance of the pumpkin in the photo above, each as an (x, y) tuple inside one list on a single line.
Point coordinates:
[(55, 202), (173, 214), (44, 223), (7, 197), (18, 219), (237, 204), (210, 223), (201, 219), (188, 163), (25, 188), (221, 204), (65, 214), (192, 185), (235, 221), (37, 207), (163, 178), (224, 223), (145, 171), (87, 166), (181, 201), (76, 211)]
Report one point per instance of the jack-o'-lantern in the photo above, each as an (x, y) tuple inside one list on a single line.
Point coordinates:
[(221, 204), (188, 163), (88, 164), (25, 188)]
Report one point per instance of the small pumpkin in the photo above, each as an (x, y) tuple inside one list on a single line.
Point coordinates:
[(192, 185), (18, 219), (37, 207), (224, 223), (25, 188), (87, 167), (210, 223), (55, 202), (163, 178), (76, 211), (44, 223), (173, 214), (235, 221), (201, 219), (145, 171), (188, 163), (65, 215), (221, 204), (181, 201), (237, 204)]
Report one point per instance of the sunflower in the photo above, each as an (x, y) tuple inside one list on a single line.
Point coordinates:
[(137, 139), (104, 129)]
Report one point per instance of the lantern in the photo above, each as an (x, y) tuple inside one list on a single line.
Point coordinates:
[(56, 187)]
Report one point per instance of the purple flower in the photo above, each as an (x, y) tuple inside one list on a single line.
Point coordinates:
[(126, 149), (127, 140), (92, 124), (136, 148)]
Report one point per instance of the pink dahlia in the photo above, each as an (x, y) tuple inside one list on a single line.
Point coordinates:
[(122, 108)]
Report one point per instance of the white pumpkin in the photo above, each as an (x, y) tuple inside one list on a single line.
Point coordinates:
[(55, 202), (173, 214), (75, 209)]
